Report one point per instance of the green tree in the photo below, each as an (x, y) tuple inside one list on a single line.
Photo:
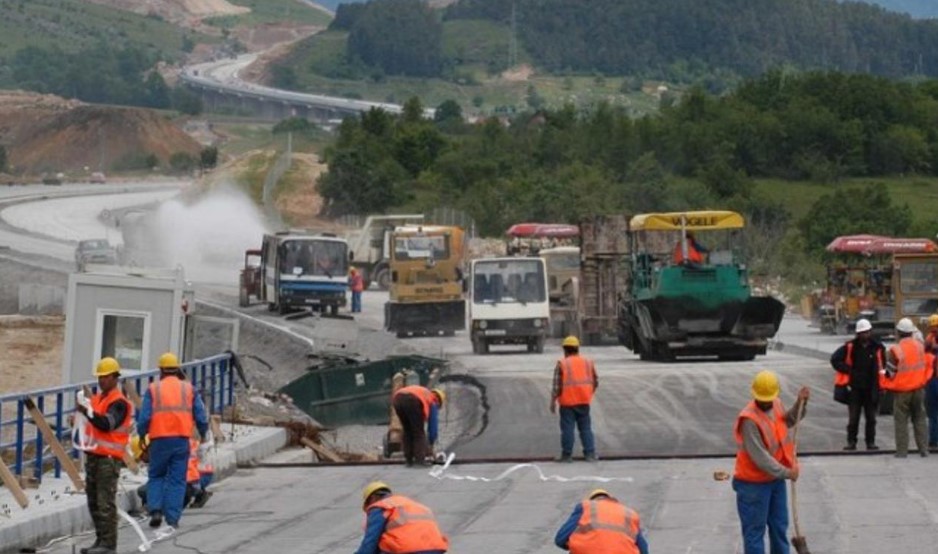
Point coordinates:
[(283, 76), (181, 162), (186, 101), (3, 158), (208, 157), (402, 37)]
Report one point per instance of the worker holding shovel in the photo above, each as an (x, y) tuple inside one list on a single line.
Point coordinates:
[(765, 458)]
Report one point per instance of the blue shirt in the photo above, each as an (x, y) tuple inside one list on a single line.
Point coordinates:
[(563, 534), (433, 423), (199, 414), (374, 528)]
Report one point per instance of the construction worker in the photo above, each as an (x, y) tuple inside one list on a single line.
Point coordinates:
[(907, 375), (600, 523), (575, 382), (356, 284), (857, 364), (198, 474), (170, 410), (415, 406), (396, 524), (765, 457), (931, 389), (695, 251), (110, 417)]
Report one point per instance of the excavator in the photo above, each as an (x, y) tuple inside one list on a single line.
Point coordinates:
[(685, 299)]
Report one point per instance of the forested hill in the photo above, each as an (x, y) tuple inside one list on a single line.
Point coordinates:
[(744, 36), (916, 8)]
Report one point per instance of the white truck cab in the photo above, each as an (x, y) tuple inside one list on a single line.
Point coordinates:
[(508, 303)]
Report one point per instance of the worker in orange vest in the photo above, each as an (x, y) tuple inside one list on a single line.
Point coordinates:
[(600, 523), (765, 457), (396, 524), (931, 389), (695, 251), (857, 365), (110, 417), (416, 406), (907, 376), (575, 382), (356, 284), (170, 412)]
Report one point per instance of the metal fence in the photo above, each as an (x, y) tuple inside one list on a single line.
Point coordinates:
[(212, 377)]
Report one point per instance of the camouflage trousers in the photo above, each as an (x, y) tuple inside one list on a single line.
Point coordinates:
[(101, 476)]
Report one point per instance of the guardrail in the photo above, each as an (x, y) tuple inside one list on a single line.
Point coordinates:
[(212, 377)]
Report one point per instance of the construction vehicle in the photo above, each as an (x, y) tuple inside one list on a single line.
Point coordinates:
[(860, 283), (426, 292), (528, 239), (370, 247), (250, 279), (674, 307), (916, 287), (301, 270), (509, 303), (563, 264), (588, 305)]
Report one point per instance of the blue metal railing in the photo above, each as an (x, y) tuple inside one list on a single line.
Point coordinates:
[(212, 377)]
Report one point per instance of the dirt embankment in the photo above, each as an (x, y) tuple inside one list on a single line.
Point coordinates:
[(32, 352), (45, 133), (177, 11)]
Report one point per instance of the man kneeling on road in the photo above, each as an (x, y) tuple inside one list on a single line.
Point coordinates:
[(396, 524), (600, 523)]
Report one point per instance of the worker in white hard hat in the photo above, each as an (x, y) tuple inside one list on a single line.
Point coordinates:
[(857, 365), (765, 458), (907, 376), (575, 382), (600, 523), (110, 418)]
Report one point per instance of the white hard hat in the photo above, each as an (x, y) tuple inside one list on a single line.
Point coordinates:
[(864, 325), (905, 325)]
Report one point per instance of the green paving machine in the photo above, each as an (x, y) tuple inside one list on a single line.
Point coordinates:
[(686, 299)]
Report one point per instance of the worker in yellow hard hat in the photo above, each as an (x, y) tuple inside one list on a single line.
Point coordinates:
[(110, 416), (171, 410), (395, 523), (600, 523), (931, 389), (765, 457), (416, 407), (575, 382)]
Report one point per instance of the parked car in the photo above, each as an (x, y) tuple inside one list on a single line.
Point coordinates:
[(97, 177), (94, 251)]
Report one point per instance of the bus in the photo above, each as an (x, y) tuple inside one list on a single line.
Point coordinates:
[(303, 270)]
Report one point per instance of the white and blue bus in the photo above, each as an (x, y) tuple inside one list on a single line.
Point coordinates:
[(302, 270)]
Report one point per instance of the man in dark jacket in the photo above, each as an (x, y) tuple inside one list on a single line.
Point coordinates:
[(860, 361)]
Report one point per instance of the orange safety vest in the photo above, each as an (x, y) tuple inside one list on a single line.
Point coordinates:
[(410, 527), (192, 470), (774, 433), (606, 527), (111, 443), (912, 371), (844, 378), (576, 381), (172, 401), (425, 395), (693, 255)]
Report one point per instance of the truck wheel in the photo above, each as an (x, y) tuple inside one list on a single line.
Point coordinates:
[(282, 309), (479, 346), (334, 309), (242, 296), (383, 278), (539, 345), (271, 307)]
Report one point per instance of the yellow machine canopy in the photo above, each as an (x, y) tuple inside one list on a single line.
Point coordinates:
[(692, 221)]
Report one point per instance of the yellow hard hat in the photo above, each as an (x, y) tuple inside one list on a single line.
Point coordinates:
[(765, 386), (597, 492), (107, 366), (168, 361), (372, 488), (442, 394), (352, 270), (571, 342), (933, 320)]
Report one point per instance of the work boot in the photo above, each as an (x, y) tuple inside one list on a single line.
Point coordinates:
[(156, 519), (85, 550), (851, 446), (201, 499), (591, 458), (871, 446), (101, 549), (564, 459)]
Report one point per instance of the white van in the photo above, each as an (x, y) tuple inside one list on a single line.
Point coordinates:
[(509, 303)]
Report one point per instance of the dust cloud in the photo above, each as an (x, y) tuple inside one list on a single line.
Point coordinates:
[(208, 237)]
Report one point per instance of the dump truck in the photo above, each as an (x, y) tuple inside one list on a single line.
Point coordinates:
[(369, 246), (915, 279), (426, 273), (683, 299)]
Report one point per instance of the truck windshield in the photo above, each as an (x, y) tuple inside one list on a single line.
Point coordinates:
[(328, 258), (501, 281), (421, 248), (562, 262)]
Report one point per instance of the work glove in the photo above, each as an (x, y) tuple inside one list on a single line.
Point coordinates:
[(84, 402)]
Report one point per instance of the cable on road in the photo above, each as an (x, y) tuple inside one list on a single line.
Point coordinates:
[(440, 473)]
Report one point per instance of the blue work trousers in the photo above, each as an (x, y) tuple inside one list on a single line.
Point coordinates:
[(762, 505), (931, 409), (356, 302), (579, 417), (166, 489)]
